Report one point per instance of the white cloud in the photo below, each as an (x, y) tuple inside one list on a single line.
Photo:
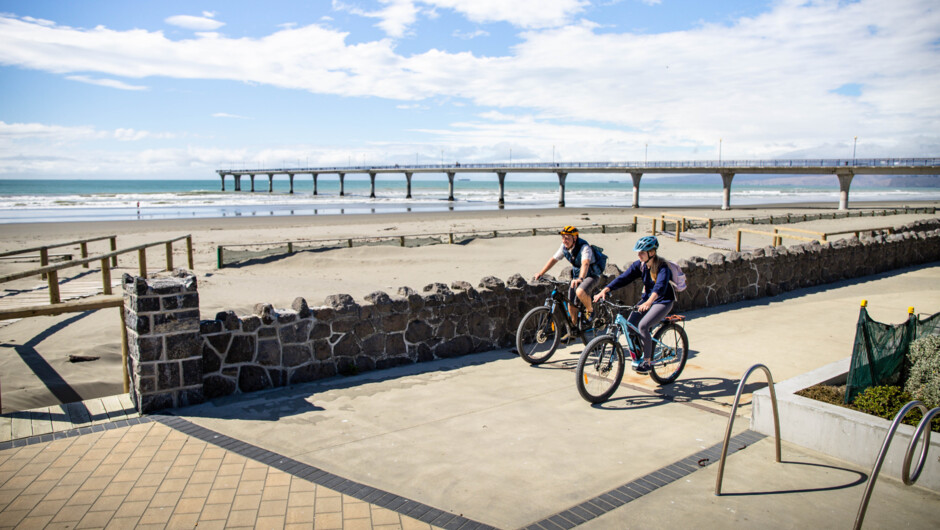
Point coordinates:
[(467, 35), (519, 13), (227, 115), (764, 84), (203, 23), (110, 83)]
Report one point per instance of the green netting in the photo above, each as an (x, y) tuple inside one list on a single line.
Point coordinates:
[(879, 350)]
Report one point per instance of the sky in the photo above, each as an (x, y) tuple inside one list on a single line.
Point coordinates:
[(179, 89)]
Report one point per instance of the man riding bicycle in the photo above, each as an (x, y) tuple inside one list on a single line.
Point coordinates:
[(657, 299), (585, 272)]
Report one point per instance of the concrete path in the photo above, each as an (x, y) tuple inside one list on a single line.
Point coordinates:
[(487, 440)]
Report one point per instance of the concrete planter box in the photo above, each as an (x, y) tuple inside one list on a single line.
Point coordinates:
[(837, 431)]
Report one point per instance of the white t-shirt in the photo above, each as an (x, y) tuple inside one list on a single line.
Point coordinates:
[(586, 254)]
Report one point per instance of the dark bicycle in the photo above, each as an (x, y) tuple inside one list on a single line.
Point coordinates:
[(541, 329), (600, 368)]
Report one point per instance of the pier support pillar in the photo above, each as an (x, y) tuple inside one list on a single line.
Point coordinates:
[(342, 179), (561, 188), (636, 188), (291, 177), (501, 176), (252, 182), (726, 178), (372, 185), (408, 178), (270, 182), (845, 180), (223, 182), (314, 175), (238, 182), (450, 186)]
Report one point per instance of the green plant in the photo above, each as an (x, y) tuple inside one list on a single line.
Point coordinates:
[(923, 379), (885, 401)]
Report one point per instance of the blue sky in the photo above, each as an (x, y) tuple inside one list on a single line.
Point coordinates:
[(133, 89)]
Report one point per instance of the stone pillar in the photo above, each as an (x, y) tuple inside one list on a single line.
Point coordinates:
[(501, 176), (314, 175), (163, 341), (238, 182), (561, 188), (291, 177), (636, 188), (845, 180), (252, 182), (342, 178), (726, 178), (450, 180), (408, 178), (372, 180), (270, 182), (223, 181)]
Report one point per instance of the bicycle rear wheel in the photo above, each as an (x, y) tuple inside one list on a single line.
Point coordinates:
[(537, 336), (670, 353), (600, 369)]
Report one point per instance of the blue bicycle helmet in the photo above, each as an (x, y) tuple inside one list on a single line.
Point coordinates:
[(645, 244)]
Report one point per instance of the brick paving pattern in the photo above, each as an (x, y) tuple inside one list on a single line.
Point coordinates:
[(152, 476)]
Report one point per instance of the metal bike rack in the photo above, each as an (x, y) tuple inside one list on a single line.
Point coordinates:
[(734, 408), (923, 429)]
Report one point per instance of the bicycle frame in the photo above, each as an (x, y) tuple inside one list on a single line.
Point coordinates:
[(621, 326)]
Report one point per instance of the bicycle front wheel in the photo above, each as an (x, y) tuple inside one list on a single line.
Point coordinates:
[(670, 351), (600, 369), (537, 336)]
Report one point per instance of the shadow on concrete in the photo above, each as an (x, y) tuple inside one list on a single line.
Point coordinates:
[(861, 478), (708, 389)]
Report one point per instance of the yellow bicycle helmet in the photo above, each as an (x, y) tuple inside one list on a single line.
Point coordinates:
[(569, 231)]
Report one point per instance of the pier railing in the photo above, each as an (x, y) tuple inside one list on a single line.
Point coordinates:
[(691, 165)]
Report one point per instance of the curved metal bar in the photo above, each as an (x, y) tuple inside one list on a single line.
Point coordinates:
[(884, 451), (734, 408), (923, 428)]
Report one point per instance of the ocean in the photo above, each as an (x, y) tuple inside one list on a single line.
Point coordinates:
[(24, 200)]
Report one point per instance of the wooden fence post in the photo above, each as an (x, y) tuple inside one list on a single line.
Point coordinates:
[(169, 255), (84, 253), (113, 249), (106, 276), (53, 287), (189, 251), (43, 259), (142, 261)]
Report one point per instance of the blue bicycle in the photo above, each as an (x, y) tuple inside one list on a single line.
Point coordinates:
[(600, 368), (541, 329)]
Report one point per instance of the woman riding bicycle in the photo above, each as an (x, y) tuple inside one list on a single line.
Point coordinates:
[(657, 299)]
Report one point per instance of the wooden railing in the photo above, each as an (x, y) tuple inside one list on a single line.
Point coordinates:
[(51, 272), (44, 250), (57, 307), (682, 227), (777, 238)]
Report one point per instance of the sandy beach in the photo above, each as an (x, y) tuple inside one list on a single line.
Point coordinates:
[(34, 362)]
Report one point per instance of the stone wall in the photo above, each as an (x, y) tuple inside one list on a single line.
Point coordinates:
[(277, 347), (164, 344)]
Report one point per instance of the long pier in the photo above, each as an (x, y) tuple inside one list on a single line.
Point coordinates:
[(843, 169)]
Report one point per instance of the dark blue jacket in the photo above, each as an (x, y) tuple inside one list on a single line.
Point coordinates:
[(661, 286)]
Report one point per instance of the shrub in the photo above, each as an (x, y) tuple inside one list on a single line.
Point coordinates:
[(885, 401), (923, 379)]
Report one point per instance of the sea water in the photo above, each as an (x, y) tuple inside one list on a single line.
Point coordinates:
[(37, 200)]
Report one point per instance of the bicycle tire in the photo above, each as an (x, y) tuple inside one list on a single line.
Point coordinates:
[(674, 337), (600, 369), (538, 335)]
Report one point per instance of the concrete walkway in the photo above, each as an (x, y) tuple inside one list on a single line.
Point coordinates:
[(486, 440)]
